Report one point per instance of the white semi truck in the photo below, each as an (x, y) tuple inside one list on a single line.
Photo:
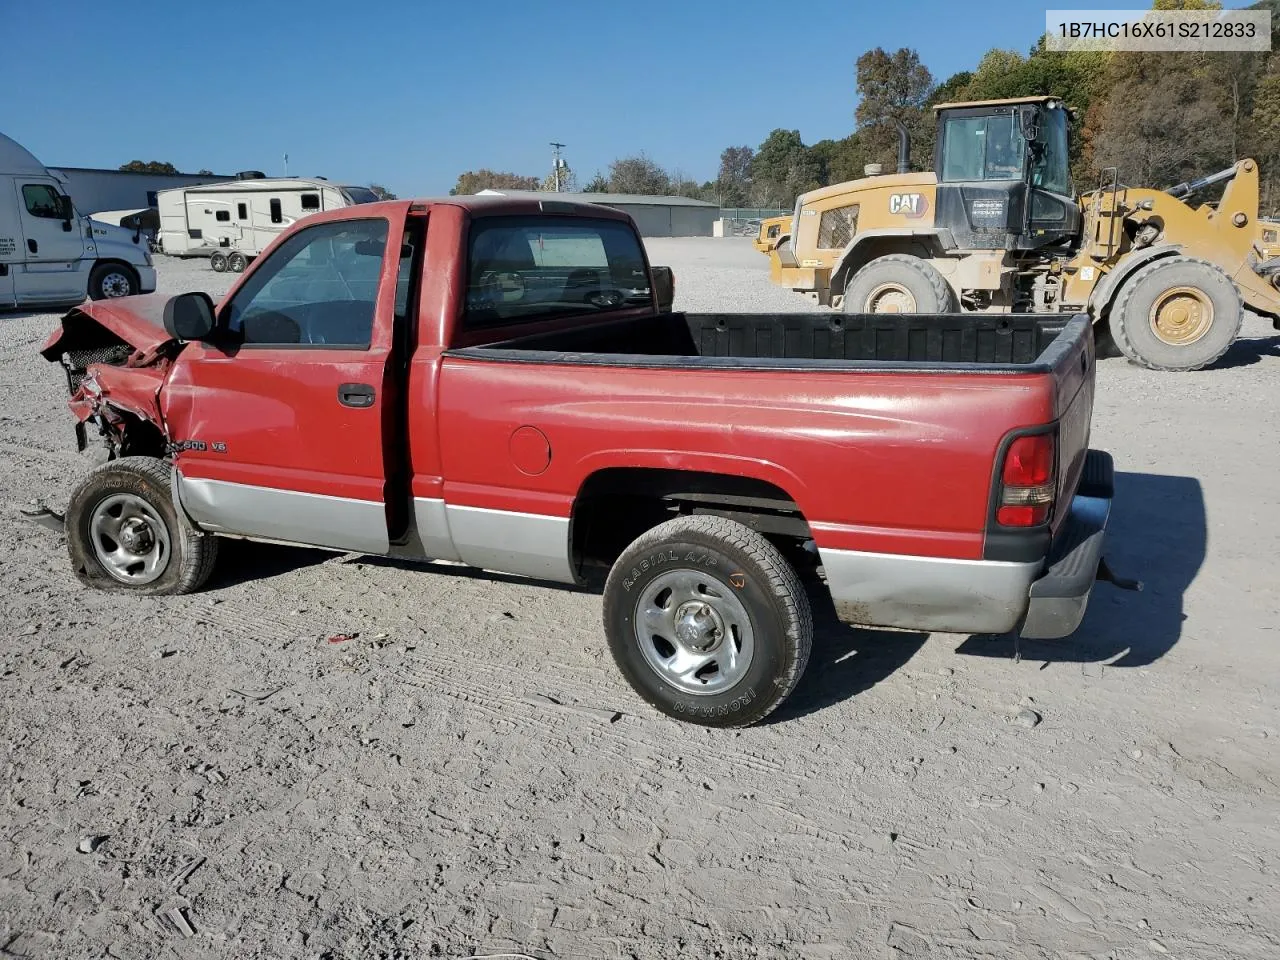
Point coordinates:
[(52, 255)]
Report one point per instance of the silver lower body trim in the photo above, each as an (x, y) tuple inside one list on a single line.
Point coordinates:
[(528, 544), (266, 513), (928, 593), (434, 539)]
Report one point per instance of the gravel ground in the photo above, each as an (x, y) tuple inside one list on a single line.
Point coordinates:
[(456, 780)]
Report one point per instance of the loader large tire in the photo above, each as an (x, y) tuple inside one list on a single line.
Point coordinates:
[(899, 283), (1176, 314)]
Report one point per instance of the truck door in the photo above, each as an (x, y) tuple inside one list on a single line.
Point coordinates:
[(281, 428), (52, 246)]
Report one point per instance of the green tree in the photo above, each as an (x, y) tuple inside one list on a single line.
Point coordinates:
[(1264, 134), (473, 181), (734, 181), (840, 160), (148, 166), (597, 184), (381, 192), (568, 181), (638, 175), (782, 169), (894, 86)]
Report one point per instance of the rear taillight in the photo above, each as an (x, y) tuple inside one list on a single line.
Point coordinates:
[(1027, 482)]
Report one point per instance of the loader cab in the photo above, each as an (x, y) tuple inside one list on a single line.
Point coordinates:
[(1003, 176)]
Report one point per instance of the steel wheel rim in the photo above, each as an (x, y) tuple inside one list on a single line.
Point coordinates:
[(236, 264), (1181, 316), (129, 539), (115, 284), (694, 632), (891, 298)]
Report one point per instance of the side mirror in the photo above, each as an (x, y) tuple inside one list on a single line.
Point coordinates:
[(189, 316), (66, 209), (664, 292)]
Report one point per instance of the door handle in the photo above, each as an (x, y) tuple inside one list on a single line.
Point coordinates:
[(355, 395), (33, 246)]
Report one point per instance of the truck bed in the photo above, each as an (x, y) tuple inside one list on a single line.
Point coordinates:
[(1022, 343)]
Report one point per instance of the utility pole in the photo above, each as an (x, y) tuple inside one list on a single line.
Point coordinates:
[(557, 163), (286, 165)]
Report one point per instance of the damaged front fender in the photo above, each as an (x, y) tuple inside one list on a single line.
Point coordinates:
[(117, 356)]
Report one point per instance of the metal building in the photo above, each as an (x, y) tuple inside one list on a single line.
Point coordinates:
[(654, 216), (95, 190)]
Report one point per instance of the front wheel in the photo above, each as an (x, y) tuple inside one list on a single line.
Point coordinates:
[(107, 281), (124, 532), (218, 262), (707, 621), (899, 283)]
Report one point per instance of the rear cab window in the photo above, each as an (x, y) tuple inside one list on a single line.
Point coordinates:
[(524, 269)]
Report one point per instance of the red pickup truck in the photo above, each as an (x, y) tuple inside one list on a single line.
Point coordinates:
[(502, 382)]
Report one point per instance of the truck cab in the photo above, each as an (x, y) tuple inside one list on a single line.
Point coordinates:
[(50, 253)]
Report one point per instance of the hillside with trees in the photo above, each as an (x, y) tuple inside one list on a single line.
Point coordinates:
[(1159, 118)]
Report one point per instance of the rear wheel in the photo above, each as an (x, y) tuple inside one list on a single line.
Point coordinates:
[(124, 532), (707, 621), (218, 262), (236, 262), (1176, 314), (898, 283)]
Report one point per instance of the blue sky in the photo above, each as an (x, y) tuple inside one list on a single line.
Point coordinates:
[(410, 94)]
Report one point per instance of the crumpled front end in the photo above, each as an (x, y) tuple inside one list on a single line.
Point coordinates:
[(116, 356)]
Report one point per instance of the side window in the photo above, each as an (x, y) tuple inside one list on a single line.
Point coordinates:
[(276, 215), (153, 198), (311, 201), (242, 211), (222, 216), (41, 200), (319, 287), (521, 269)]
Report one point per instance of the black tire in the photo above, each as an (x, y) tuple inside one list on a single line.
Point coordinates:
[(236, 262), (925, 285), (733, 566), (218, 262), (1133, 327), (181, 568), (111, 280)]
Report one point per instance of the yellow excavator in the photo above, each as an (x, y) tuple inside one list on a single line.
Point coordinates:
[(998, 227)]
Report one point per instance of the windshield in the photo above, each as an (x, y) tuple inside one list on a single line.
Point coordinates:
[(360, 194), (1049, 169), (983, 148)]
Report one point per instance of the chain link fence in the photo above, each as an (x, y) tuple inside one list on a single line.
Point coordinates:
[(745, 221)]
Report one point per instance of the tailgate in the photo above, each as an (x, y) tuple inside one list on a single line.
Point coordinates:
[(1073, 372)]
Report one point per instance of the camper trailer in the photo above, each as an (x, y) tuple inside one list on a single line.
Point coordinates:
[(50, 253), (233, 222)]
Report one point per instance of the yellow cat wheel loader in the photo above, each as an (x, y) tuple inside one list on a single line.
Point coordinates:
[(998, 227)]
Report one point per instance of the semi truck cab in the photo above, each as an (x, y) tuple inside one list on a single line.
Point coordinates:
[(50, 253)]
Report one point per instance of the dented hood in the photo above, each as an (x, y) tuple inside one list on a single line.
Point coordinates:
[(138, 321)]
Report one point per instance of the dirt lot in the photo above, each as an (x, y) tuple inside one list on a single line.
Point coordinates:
[(454, 780)]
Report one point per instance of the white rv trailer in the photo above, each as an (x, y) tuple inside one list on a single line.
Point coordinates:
[(234, 221)]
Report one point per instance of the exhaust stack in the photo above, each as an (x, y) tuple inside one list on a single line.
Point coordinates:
[(904, 146)]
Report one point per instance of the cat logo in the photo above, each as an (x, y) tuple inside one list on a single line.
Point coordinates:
[(912, 205)]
